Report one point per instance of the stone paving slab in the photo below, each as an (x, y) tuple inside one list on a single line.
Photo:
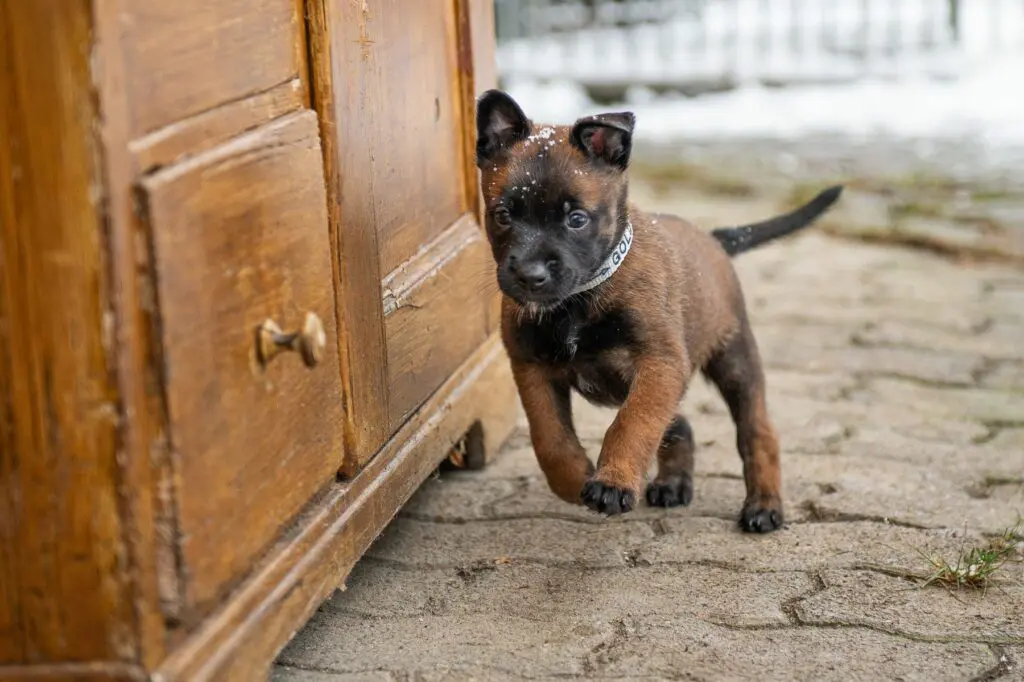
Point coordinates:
[(284, 673), (891, 604), (896, 382), (1004, 341), (708, 622), (1010, 665), (519, 589), (555, 542), (810, 547), (684, 650)]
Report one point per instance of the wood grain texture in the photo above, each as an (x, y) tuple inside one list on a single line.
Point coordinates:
[(205, 131), (477, 74), (241, 640), (344, 95), (436, 315), (239, 235), (143, 431), (186, 57), (60, 536), (162, 465), (482, 37), (396, 185), (73, 672), (415, 140)]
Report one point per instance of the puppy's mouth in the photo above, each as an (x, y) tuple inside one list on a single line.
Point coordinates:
[(536, 301)]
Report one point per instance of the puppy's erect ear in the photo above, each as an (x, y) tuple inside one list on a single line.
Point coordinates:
[(500, 123), (606, 137)]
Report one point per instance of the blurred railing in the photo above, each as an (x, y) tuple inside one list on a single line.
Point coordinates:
[(695, 46)]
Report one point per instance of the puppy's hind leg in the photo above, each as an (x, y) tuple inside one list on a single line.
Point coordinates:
[(736, 371), (673, 485)]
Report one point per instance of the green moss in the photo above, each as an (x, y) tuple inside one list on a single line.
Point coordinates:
[(993, 194), (921, 208), (664, 177)]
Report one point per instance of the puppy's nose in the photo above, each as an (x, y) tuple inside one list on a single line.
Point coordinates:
[(532, 275)]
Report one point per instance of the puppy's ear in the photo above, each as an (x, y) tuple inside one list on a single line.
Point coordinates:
[(607, 138), (500, 123)]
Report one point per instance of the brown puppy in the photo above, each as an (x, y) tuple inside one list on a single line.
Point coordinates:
[(623, 307)]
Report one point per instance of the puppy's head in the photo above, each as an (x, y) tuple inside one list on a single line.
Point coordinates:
[(556, 197)]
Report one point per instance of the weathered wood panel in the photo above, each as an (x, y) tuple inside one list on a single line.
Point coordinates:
[(61, 538), (239, 236)]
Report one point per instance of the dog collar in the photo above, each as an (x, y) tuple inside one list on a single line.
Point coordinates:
[(611, 264)]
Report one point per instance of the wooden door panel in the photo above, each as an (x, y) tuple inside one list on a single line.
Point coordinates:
[(391, 96), (436, 315), (417, 175), (185, 57), (239, 235)]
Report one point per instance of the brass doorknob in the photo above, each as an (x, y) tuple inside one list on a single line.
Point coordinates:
[(309, 343)]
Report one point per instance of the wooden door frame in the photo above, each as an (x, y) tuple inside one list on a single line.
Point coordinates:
[(59, 398)]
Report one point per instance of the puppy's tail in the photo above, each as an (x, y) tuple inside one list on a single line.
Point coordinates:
[(736, 240)]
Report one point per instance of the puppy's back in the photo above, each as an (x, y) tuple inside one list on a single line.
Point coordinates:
[(702, 279)]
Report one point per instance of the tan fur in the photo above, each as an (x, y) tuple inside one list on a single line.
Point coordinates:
[(686, 304)]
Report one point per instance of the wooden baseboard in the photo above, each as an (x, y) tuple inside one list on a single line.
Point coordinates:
[(73, 672), (239, 642)]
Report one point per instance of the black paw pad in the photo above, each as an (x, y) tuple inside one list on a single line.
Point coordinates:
[(672, 493), (607, 499), (758, 519)]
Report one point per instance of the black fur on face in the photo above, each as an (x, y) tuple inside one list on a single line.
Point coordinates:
[(546, 237), (556, 197)]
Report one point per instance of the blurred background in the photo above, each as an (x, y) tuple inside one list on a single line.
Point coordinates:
[(915, 103)]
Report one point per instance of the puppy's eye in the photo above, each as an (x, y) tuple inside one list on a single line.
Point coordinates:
[(502, 217), (577, 219)]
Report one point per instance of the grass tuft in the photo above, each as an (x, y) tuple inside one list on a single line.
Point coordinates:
[(976, 568)]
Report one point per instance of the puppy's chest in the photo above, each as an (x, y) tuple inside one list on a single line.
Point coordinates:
[(593, 352)]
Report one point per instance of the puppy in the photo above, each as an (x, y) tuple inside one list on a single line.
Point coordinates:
[(623, 307)]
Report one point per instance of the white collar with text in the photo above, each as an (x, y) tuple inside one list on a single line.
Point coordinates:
[(612, 263)]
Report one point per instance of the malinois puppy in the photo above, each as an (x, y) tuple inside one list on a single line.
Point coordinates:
[(622, 306)]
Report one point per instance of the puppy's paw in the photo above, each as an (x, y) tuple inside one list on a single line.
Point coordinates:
[(761, 517), (607, 499), (672, 492)]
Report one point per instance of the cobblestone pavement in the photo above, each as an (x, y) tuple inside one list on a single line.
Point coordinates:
[(896, 381)]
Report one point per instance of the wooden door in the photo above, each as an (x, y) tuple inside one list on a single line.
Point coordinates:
[(394, 85)]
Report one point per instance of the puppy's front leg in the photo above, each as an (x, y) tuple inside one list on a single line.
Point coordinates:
[(549, 413), (636, 433)]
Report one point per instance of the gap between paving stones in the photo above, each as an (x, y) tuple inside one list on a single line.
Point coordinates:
[(790, 607), (1003, 667)]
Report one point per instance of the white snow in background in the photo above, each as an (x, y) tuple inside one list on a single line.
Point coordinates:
[(979, 94), (822, 39), (987, 105)]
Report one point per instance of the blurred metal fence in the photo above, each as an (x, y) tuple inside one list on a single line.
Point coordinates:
[(699, 45)]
